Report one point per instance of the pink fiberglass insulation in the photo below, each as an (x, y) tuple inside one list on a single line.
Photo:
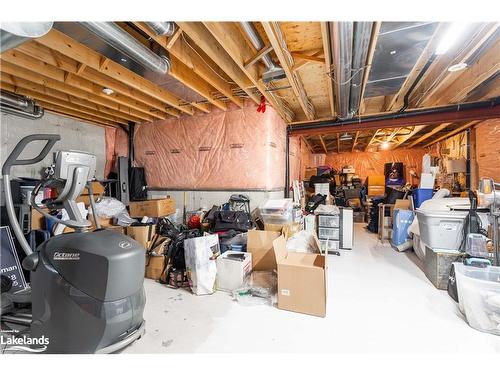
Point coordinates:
[(372, 163), (233, 149), (116, 145), (488, 149)]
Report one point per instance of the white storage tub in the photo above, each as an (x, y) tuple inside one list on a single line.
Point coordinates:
[(479, 296), (441, 230)]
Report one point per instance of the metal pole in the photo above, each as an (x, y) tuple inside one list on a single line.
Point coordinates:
[(287, 165), (467, 162), (131, 154)]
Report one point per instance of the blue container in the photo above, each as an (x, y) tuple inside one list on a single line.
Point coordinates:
[(420, 196), (401, 223)]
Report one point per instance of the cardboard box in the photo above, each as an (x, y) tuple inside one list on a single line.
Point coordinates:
[(287, 229), (402, 204), (260, 245), (117, 228), (97, 189), (232, 272), (142, 234), (375, 180), (376, 191), (105, 222), (310, 172), (302, 280), (38, 220), (152, 208), (154, 267), (426, 181)]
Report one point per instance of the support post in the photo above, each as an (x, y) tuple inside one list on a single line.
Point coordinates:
[(287, 164)]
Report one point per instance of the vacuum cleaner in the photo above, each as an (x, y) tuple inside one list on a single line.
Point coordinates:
[(87, 293)]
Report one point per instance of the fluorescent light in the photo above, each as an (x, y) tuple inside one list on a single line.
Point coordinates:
[(457, 67), (452, 35), (384, 145)]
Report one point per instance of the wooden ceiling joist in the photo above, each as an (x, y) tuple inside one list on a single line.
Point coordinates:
[(273, 32), (452, 132), (323, 145), (369, 60), (354, 142), (446, 78), (408, 136), (27, 75), (372, 138), (61, 103), (42, 69), (434, 130), (69, 47), (69, 65), (308, 145), (20, 83), (184, 53), (229, 37), (73, 113)]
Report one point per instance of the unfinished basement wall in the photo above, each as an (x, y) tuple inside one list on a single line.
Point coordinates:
[(372, 163), (75, 135), (488, 149), (204, 158), (300, 158), (116, 145)]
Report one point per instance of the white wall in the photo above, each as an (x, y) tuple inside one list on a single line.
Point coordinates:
[(75, 135)]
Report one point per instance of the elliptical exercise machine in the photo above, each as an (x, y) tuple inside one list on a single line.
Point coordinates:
[(87, 293)]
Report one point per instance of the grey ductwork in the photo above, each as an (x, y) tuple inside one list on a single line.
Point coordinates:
[(341, 39), (13, 34), (273, 71), (162, 28), (361, 44), (20, 106), (119, 39)]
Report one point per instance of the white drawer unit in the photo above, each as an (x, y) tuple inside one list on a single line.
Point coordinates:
[(329, 245), (329, 221), (328, 233)]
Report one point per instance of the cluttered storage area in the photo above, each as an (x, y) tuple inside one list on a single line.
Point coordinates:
[(238, 187)]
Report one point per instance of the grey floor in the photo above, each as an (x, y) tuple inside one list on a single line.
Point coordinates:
[(379, 301)]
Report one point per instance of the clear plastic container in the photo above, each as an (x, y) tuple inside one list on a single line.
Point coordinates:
[(328, 233), (329, 245), (258, 289), (278, 218), (328, 221), (479, 296), (476, 245)]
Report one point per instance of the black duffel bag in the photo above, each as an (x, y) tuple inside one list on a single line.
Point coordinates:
[(226, 220)]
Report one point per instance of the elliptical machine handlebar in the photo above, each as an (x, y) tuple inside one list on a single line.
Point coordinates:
[(13, 160)]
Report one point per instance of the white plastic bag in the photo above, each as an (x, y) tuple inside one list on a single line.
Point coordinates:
[(109, 207), (302, 242), (200, 254)]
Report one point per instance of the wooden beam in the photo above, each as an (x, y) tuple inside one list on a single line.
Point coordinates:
[(171, 41), (355, 141), (258, 56), (24, 61), (45, 54), (371, 140), (308, 145), (61, 103), (273, 32), (338, 142), (398, 99), (403, 139), (325, 36), (369, 61), (322, 141), (73, 113), (77, 51), (452, 132), (208, 44), (446, 78), (483, 69), (204, 107), (311, 58), (229, 37), (429, 134), (182, 67)]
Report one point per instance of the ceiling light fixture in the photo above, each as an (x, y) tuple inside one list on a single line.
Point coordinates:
[(457, 67), (384, 145), (107, 91), (345, 137), (452, 35)]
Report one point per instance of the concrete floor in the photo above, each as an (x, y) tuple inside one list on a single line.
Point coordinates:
[(379, 301)]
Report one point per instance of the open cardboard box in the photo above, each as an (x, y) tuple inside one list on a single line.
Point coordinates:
[(260, 245), (302, 280)]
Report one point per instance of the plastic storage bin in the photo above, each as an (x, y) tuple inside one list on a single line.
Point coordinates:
[(479, 296), (420, 196), (329, 245), (441, 230), (328, 221), (328, 233)]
